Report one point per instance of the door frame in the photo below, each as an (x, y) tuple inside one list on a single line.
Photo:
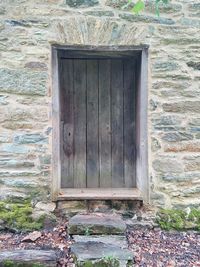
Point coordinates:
[(142, 176)]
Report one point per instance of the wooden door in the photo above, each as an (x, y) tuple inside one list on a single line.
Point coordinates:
[(98, 123)]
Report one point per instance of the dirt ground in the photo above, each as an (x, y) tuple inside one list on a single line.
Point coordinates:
[(152, 248)]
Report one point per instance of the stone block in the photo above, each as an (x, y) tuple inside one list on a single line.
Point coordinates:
[(166, 120), (27, 23), (194, 65), (100, 254), (182, 107), (19, 183), (118, 240), (15, 163), (155, 144), (15, 149), (145, 18), (36, 65), (166, 66), (81, 3), (183, 147), (177, 136), (30, 138), (23, 82), (72, 207), (29, 257), (190, 22), (96, 224), (46, 206), (192, 163), (167, 165)]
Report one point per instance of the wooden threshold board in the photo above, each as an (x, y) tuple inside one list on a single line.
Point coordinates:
[(100, 193)]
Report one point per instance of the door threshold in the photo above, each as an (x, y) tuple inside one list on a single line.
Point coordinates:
[(99, 194)]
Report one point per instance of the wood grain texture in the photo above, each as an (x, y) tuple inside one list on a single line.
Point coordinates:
[(92, 124), (105, 123), (67, 130), (117, 123), (100, 193), (129, 124), (79, 123)]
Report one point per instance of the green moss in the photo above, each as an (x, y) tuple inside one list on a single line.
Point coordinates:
[(9, 263), (17, 216), (108, 261), (179, 219)]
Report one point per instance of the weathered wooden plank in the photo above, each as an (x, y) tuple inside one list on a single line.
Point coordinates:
[(67, 179), (79, 123), (101, 193), (129, 124), (117, 123), (92, 124), (56, 160), (104, 123)]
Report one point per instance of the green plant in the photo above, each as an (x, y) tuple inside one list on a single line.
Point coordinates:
[(87, 231), (179, 219), (10, 263), (140, 6), (17, 216)]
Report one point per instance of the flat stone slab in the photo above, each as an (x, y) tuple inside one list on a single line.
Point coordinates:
[(96, 224), (29, 257), (117, 240), (94, 252)]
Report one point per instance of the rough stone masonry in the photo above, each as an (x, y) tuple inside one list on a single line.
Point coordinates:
[(28, 28)]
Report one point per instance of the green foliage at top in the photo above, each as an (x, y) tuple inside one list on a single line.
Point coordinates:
[(17, 216), (179, 219), (140, 6)]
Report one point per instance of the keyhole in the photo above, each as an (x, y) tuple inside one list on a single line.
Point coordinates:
[(69, 134)]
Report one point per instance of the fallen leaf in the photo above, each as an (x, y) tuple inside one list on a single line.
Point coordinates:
[(32, 236)]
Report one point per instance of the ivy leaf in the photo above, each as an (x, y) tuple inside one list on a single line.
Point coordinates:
[(165, 1), (138, 7)]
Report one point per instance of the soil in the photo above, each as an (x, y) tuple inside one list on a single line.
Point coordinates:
[(157, 248)]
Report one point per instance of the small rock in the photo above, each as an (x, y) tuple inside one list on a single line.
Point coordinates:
[(48, 207), (32, 236)]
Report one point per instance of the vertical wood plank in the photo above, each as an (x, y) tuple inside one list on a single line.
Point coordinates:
[(117, 123), (56, 160), (129, 124), (67, 179), (79, 123), (92, 125), (104, 123)]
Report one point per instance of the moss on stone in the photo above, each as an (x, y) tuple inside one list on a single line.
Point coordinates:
[(179, 219), (10, 263), (17, 216), (105, 262)]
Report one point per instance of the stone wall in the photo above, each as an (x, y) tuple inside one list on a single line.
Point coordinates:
[(28, 28)]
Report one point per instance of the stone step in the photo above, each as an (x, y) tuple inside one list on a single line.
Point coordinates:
[(118, 240), (96, 223), (98, 254), (46, 258)]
